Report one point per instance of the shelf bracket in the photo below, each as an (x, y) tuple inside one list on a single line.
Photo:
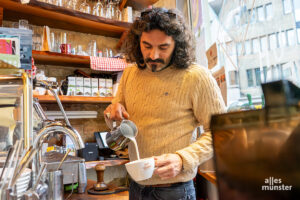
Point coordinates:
[(122, 4), (124, 35)]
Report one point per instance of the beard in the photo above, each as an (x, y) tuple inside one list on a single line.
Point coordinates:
[(153, 67), (153, 63)]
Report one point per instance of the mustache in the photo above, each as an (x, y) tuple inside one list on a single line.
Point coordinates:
[(155, 61)]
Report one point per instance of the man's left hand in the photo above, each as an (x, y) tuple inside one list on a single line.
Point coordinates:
[(168, 165)]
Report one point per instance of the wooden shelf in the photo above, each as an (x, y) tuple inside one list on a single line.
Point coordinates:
[(51, 58), (106, 163), (73, 99), (40, 13), (68, 60)]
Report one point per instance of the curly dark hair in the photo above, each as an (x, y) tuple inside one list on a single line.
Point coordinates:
[(172, 24)]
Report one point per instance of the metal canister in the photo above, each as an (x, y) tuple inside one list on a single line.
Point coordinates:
[(55, 185)]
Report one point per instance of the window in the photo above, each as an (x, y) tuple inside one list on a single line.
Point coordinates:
[(265, 73), (260, 13), (287, 70), (253, 16), (273, 41), (287, 6), (237, 19), (269, 11), (276, 72), (298, 34), (256, 45), (264, 43), (257, 76), (247, 47), (297, 10), (239, 48), (291, 37), (282, 39), (233, 77), (250, 78)]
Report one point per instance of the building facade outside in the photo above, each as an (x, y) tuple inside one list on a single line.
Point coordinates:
[(256, 43)]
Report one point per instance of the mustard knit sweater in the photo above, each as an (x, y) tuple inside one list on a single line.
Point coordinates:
[(167, 106)]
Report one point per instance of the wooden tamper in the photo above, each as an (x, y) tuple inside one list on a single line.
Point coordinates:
[(100, 185)]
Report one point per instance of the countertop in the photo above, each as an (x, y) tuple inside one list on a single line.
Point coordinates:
[(86, 196), (210, 176)]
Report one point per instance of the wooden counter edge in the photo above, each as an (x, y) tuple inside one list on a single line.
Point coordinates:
[(210, 176), (107, 163), (90, 183)]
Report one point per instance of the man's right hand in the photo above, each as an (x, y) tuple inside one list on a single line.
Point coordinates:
[(116, 112)]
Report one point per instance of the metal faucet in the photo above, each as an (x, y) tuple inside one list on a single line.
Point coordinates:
[(52, 128), (45, 132)]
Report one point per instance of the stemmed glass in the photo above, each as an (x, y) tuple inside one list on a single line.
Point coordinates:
[(98, 9), (110, 10), (57, 2), (118, 13), (71, 4), (84, 7)]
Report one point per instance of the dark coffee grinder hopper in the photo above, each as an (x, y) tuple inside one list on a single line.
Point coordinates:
[(101, 188)]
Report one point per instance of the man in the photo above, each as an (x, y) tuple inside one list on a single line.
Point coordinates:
[(167, 97)]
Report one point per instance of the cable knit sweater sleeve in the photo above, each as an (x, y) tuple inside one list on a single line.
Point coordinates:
[(206, 100)]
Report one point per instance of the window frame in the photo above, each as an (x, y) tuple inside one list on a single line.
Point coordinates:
[(257, 73), (266, 14), (250, 75), (284, 8)]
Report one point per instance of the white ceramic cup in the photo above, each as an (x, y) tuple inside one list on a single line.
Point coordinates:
[(141, 169)]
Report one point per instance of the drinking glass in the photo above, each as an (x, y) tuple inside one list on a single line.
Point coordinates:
[(110, 10), (15, 25), (25, 1), (57, 2), (92, 48), (63, 38), (118, 12), (23, 24), (71, 4), (98, 9), (118, 15), (85, 8), (80, 51), (37, 42), (54, 42), (106, 53)]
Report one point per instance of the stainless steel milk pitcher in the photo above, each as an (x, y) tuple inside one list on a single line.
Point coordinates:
[(118, 138)]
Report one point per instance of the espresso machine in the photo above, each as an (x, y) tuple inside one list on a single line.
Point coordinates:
[(16, 134), (24, 128), (73, 168), (16, 108), (256, 152)]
